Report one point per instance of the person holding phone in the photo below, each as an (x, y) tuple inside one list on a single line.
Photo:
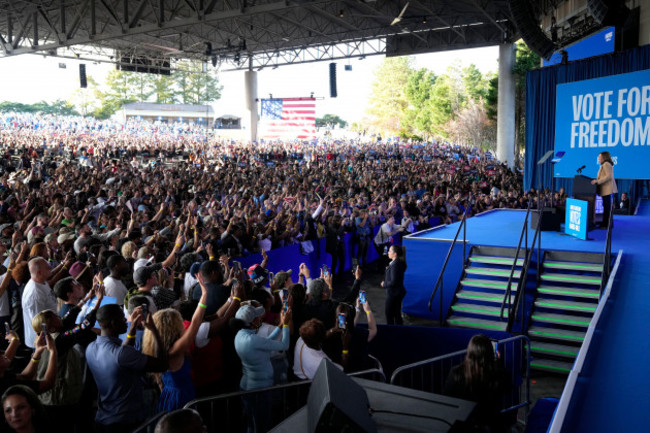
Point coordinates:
[(255, 353), (606, 185)]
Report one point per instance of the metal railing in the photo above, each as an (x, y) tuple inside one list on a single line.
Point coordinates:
[(508, 295), (520, 296), (431, 375), (607, 259), (439, 282), (225, 412)]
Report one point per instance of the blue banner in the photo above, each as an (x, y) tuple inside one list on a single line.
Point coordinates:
[(597, 44), (605, 114), (576, 218)]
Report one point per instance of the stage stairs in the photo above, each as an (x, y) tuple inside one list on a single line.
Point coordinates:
[(566, 298), (482, 288)]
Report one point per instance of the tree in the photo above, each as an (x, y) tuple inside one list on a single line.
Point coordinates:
[(418, 118), (388, 100), (122, 89), (87, 100), (476, 85), (164, 89), (473, 127), (330, 121), (196, 83)]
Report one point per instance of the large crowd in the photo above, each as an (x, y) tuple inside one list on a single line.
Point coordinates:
[(150, 218)]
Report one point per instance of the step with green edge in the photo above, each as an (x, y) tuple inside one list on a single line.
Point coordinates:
[(574, 266), (561, 304), (561, 319), (480, 296), (559, 350), (470, 322), (556, 334), (488, 284), (552, 365), (569, 291), (479, 310), (491, 260), (491, 272), (572, 279)]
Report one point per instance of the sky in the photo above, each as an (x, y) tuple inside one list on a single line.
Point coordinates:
[(31, 78)]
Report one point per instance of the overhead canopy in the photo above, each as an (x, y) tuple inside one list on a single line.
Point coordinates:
[(269, 32)]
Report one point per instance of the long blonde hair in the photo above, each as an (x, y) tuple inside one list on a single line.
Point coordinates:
[(170, 326)]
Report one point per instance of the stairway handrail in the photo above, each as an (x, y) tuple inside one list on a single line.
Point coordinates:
[(462, 225), (607, 259), (524, 231), (524, 276)]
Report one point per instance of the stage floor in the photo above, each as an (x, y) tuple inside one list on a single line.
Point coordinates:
[(502, 227), (612, 391)]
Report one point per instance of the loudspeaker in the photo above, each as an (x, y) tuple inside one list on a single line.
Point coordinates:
[(333, 93), (608, 12), (82, 76), (529, 29), (336, 403), (551, 219)]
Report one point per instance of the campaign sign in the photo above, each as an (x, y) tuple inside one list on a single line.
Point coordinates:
[(576, 218), (605, 114)]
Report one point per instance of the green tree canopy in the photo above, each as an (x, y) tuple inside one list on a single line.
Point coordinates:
[(330, 120), (388, 100)]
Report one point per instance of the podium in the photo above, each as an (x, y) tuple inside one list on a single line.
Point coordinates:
[(584, 190)]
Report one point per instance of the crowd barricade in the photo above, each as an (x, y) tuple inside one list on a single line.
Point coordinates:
[(290, 257), (225, 412), (430, 375)]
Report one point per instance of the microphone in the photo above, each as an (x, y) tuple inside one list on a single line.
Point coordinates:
[(580, 169)]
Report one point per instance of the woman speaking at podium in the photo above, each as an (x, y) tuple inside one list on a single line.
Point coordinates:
[(606, 185)]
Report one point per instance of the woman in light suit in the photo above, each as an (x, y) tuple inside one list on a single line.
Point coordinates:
[(606, 185), (394, 285)]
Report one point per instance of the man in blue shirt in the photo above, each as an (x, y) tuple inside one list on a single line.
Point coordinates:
[(118, 369)]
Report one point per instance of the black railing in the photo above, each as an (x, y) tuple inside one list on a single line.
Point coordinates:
[(520, 296), (508, 295), (607, 259), (439, 282)]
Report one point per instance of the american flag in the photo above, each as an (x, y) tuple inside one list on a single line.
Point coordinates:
[(289, 118)]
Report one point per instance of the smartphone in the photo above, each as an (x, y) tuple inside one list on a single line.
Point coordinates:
[(44, 328), (7, 328), (236, 265), (495, 346), (284, 294), (145, 310), (326, 271), (341, 321), (362, 296)]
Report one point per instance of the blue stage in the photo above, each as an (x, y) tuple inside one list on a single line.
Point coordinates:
[(612, 393)]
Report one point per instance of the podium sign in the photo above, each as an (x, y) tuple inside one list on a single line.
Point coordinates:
[(577, 216)]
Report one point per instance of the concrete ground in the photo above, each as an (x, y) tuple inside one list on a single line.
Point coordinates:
[(542, 384)]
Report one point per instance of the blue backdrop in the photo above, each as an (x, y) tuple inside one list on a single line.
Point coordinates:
[(605, 114), (540, 111)]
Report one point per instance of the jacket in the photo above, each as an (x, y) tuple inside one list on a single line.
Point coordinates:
[(605, 180)]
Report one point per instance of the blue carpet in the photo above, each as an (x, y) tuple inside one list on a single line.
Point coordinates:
[(613, 392), (503, 228)]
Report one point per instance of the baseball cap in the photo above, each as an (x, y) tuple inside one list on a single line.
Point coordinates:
[(248, 313), (282, 277), (143, 273)]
